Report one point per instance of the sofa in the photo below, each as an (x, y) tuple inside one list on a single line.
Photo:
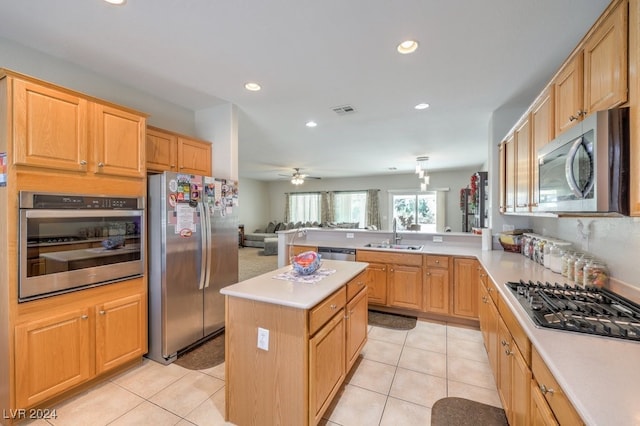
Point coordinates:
[(257, 237)]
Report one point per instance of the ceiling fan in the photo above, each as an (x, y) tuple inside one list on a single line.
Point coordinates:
[(298, 178)]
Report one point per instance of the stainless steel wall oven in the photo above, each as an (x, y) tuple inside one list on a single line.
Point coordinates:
[(71, 242)]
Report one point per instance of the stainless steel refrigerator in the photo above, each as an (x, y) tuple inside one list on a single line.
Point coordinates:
[(193, 253)]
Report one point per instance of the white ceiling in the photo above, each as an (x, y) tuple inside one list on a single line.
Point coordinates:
[(474, 57)]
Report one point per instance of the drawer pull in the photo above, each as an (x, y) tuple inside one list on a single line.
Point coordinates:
[(83, 162), (490, 289), (333, 307), (545, 390), (503, 342), (100, 164), (102, 312), (84, 317), (360, 283), (428, 273), (508, 351), (437, 261), (484, 299)]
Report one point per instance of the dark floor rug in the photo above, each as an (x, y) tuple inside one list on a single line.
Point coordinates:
[(464, 412), (206, 355), (393, 321)]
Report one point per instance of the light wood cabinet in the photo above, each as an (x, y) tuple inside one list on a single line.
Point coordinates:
[(488, 315), (169, 151), (568, 88), (120, 332), (509, 174), (53, 354), (522, 138), (465, 287), (399, 273), (502, 174), (357, 316), (162, 150), (119, 142), (542, 132), (55, 128), (541, 414), (436, 284), (56, 352), (309, 354), (326, 365), (552, 393), (606, 62), (50, 127)]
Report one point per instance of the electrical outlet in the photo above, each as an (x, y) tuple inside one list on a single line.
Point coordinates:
[(437, 238), (349, 234), (263, 339)]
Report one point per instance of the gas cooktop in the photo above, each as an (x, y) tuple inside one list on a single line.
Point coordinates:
[(590, 310)]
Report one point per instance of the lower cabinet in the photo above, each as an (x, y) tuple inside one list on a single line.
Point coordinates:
[(357, 316), (465, 287), (377, 283), (56, 352), (541, 414), (436, 284)]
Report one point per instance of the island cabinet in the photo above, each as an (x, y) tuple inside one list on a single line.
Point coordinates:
[(296, 371), (437, 284), (77, 337), (169, 151), (465, 287), (56, 128), (399, 273)]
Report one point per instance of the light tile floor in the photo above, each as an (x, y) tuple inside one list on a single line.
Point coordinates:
[(396, 381)]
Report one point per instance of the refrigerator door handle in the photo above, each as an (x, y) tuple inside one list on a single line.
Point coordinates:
[(209, 249), (205, 247)]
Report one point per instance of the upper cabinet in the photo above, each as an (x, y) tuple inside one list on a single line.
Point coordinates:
[(605, 62), (168, 151), (55, 128), (601, 73), (595, 78), (542, 132)]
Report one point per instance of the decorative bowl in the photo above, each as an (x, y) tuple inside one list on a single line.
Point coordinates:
[(306, 263)]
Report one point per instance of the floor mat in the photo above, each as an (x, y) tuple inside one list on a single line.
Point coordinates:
[(393, 321), (453, 411), (207, 355)]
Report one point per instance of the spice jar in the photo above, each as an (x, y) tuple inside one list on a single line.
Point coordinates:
[(571, 267), (595, 274), (538, 254), (546, 259)]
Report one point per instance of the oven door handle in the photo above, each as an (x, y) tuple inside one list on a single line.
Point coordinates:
[(568, 171)]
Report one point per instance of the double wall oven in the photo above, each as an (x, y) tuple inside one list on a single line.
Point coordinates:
[(71, 242)]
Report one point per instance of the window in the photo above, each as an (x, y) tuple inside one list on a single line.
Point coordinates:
[(304, 207), (415, 211), (350, 207)]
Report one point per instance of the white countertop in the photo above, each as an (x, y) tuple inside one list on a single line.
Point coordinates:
[(600, 375), (265, 288)]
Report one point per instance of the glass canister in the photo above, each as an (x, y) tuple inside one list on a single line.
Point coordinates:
[(538, 253), (595, 274), (571, 267), (526, 240), (578, 268), (532, 246), (555, 261), (566, 260), (546, 258)]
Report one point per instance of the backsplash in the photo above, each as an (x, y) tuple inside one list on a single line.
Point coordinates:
[(614, 240)]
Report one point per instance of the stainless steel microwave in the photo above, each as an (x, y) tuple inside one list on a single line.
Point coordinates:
[(586, 168)]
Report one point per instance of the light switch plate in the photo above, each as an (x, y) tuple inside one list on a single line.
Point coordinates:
[(263, 339)]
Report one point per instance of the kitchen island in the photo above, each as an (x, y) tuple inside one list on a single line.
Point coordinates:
[(290, 345)]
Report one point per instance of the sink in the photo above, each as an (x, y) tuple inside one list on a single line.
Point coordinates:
[(395, 246)]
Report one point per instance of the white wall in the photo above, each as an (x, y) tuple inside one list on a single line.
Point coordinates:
[(254, 204), (44, 67), (454, 180)]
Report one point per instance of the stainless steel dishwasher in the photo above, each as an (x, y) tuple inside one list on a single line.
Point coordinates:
[(335, 253)]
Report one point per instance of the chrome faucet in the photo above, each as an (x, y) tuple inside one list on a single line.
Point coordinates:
[(396, 238)]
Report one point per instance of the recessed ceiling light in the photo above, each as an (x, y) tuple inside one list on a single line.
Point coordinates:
[(253, 87), (311, 124), (407, 46), (422, 106), (116, 2)]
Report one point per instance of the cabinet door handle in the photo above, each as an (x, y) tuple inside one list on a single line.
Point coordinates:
[(333, 307), (100, 164), (490, 289), (84, 317), (102, 312), (428, 273), (484, 299), (503, 342), (83, 162), (360, 283), (545, 390), (437, 261), (508, 351), (391, 270)]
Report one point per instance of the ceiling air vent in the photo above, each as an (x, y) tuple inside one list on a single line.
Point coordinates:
[(344, 109)]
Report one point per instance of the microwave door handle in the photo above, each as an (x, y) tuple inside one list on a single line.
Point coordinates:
[(568, 168), (203, 251)]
